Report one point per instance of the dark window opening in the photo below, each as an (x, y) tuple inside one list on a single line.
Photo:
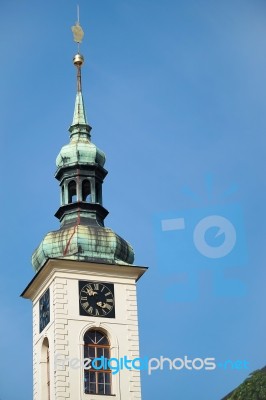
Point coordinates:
[(86, 191), (72, 192)]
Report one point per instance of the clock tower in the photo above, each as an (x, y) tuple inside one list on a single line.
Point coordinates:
[(85, 323)]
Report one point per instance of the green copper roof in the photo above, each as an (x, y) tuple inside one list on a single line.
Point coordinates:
[(80, 150), (79, 117), (84, 243)]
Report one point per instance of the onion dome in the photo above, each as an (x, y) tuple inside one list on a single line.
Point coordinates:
[(80, 150), (84, 243)]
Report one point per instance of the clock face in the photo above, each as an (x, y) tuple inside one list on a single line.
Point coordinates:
[(96, 299), (44, 307)]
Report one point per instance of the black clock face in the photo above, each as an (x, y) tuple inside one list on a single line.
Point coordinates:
[(44, 307), (96, 299)]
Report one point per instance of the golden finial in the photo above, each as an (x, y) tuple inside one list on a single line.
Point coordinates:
[(78, 59), (78, 36)]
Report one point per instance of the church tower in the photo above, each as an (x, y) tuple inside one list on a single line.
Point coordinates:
[(84, 290)]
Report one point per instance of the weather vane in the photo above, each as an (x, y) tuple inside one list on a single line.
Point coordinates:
[(77, 31), (78, 59)]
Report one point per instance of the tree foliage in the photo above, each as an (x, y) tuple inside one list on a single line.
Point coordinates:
[(253, 388)]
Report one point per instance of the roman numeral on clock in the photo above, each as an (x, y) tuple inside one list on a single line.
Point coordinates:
[(85, 305)]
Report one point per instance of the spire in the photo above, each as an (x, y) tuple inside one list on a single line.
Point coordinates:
[(79, 117)]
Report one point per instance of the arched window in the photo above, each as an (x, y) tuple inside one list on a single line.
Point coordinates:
[(96, 345), (86, 190), (45, 370), (72, 192), (48, 373)]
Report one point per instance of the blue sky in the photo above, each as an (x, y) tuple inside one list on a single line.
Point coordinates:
[(175, 92)]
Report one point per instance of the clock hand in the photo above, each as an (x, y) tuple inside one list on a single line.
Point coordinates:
[(101, 304), (91, 292)]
